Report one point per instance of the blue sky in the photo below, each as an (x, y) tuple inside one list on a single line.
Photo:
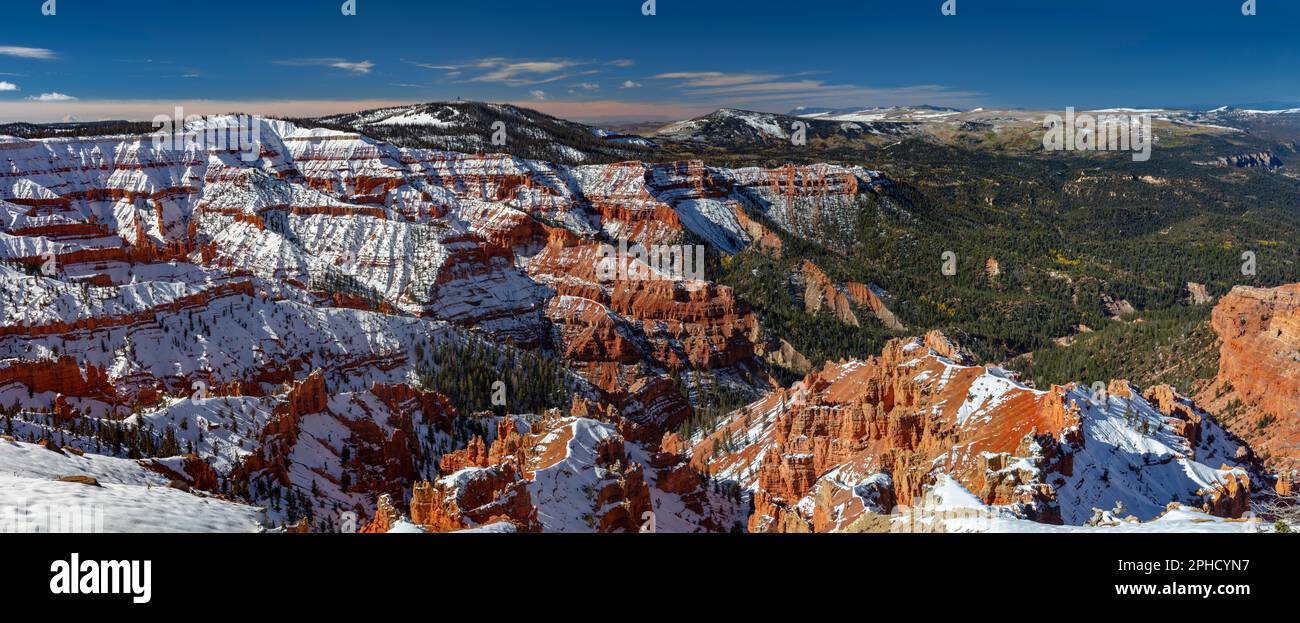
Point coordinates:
[(602, 59)]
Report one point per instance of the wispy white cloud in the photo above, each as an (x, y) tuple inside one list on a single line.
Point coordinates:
[(433, 66), (449, 71), (53, 97), (361, 67), (356, 67), (521, 73), (21, 52), (795, 86), (517, 72), (504, 71), (628, 84), (538, 95), (713, 78), (8, 86), (738, 89)]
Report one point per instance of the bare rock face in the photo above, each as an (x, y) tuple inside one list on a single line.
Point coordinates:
[(810, 201), (1229, 498), (817, 292), (609, 324), (1183, 416), (865, 296), (474, 454), (62, 375), (480, 485), (64, 378), (1257, 390), (781, 353)]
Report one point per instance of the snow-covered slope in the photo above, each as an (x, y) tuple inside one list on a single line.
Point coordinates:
[(124, 496)]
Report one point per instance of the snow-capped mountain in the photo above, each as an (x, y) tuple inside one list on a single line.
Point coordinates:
[(470, 126), (740, 129), (871, 114)]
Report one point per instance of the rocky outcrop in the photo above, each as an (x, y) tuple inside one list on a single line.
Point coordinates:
[(280, 435), (347, 448), (63, 377), (557, 464), (474, 496), (188, 472), (386, 516), (780, 353), (1229, 498), (609, 325), (865, 297), (1257, 390), (860, 437), (1259, 159), (1197, 294), (816, 292), (1115, 308), (1183, 417), (820, 202), (992, 269)]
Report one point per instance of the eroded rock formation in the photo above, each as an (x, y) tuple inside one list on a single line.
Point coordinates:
[(861, 437), (1257, 390)]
